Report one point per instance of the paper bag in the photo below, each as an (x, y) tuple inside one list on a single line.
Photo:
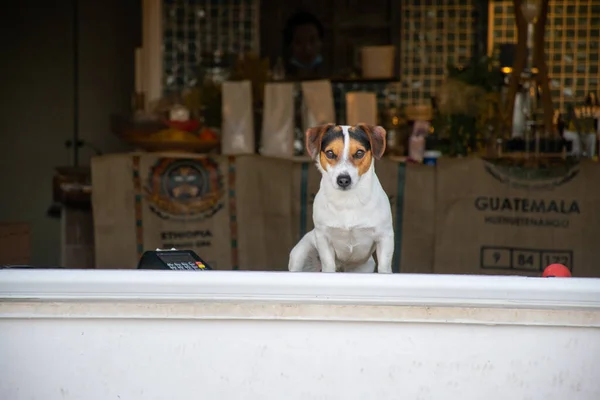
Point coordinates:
[(318, 106), (277, 136), (499, 219), (575, 140), (237, 136), (361, 107)]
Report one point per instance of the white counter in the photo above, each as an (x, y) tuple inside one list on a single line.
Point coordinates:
[(98, 335)]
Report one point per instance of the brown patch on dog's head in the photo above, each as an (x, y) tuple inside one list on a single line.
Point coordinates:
[(332, 147), (376, 135), (314, 138), (359, 151)]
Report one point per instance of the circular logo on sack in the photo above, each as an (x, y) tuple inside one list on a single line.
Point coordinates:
[(185, 189), (548, 175)]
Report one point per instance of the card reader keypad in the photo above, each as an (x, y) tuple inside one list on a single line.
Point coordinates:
[(183, 265)]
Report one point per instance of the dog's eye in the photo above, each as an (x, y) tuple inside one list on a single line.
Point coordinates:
[(329, 154), (359, 154)]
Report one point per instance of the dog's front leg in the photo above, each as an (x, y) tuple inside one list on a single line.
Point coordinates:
[(385, 253), (326, 253)]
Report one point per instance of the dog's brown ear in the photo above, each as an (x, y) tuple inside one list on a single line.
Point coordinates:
[(377, 137), (314, 137)]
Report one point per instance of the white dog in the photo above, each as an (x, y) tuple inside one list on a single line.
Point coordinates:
[(351, 211)]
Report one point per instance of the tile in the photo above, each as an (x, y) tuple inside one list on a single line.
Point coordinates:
[(449, 38), (194, 28), (571, 39)]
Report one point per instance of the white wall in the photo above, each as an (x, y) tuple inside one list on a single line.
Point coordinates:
[(36, 110), (95, 335)]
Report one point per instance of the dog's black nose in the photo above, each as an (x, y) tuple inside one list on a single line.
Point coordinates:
[(344, 181)]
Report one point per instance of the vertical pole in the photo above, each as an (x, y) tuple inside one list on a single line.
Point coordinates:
[(75, 146)]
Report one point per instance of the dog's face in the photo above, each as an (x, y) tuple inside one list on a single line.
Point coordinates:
[(345, 153)]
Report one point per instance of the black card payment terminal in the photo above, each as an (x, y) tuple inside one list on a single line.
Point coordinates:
[(176, 260)]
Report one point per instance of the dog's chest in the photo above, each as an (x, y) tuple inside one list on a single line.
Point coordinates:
[(353, 244)]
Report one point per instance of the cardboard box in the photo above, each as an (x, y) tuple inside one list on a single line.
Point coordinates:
[(15, 243)]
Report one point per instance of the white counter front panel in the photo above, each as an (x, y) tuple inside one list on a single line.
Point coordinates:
[(97, 335)]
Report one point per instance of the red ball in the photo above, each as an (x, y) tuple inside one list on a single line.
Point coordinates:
[(556, 270)]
